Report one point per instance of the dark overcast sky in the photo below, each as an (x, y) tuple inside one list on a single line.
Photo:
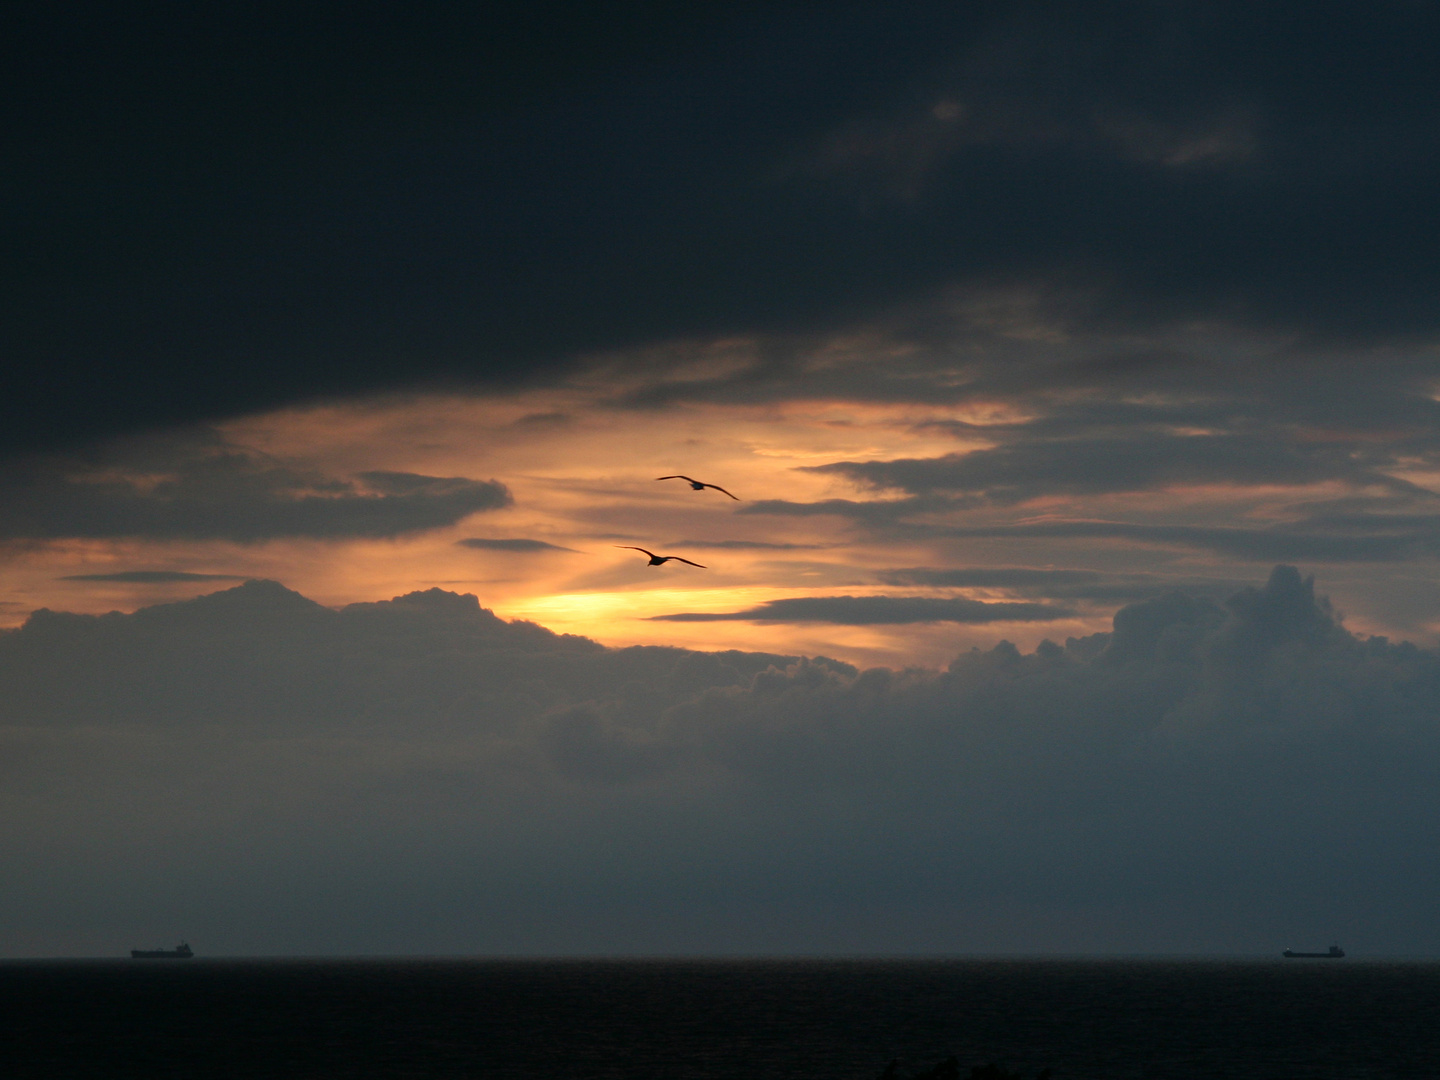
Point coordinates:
[(213, 210)]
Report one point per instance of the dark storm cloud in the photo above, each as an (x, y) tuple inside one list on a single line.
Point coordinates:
[(878, 611), (518, 545), (248, 206), (199, 488), (1209, 777), (151, 577)]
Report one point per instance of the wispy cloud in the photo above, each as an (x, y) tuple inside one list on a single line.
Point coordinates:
[(1262, 545), (1090, 585), (198, 487), (742, 545), (878, 610), (515, 545), (146, 577), (870, 511), (1033, 468)]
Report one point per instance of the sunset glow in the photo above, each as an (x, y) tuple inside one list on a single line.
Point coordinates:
[(580, 463)]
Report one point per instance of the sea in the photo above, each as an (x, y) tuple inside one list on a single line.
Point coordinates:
[(718, 1020)]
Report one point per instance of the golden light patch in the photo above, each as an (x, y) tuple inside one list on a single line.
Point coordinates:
[(582, 473)]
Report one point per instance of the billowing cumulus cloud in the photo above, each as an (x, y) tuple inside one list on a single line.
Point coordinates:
[(878, 610), (1209, 776), (198, 487)]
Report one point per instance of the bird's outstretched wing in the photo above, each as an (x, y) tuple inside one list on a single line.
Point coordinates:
[(678, 559), (631, 547), (698, 484)]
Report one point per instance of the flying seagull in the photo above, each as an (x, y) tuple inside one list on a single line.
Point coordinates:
[(697, 485), (656, 560)]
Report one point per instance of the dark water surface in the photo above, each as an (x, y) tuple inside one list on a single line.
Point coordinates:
[(725, 1020)]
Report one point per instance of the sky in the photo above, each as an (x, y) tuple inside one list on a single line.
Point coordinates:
[(1072, 367)]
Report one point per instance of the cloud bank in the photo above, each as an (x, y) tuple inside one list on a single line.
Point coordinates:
[(195, 486), (265, 774)]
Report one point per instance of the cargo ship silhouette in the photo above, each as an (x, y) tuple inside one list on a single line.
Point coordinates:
[(1335, 953), (180, 952)]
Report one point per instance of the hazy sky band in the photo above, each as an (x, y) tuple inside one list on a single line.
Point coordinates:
[(1131, 789)]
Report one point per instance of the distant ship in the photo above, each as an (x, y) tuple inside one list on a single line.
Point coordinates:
[(1335, 953), (180, 952)]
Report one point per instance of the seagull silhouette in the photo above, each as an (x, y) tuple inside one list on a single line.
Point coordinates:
[(656, 560), (698, 485)]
